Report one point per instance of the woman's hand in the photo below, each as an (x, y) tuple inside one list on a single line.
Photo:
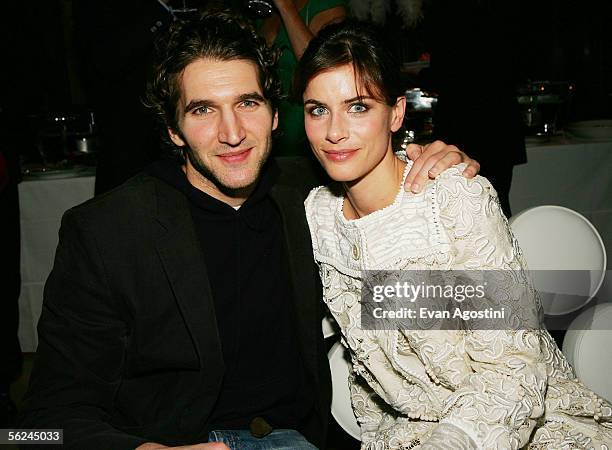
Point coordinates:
[(431, 160)]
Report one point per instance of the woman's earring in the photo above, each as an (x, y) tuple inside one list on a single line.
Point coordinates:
[(408, 138)]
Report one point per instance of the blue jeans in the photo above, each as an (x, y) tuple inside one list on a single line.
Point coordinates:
[(277, 440)]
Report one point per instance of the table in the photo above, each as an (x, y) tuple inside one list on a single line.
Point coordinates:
[(42, 203), (571, 173), (574, 174)]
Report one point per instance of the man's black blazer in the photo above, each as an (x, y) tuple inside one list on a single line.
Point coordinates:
[(128, 344)]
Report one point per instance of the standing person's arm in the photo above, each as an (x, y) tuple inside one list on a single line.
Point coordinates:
[(301, 33)]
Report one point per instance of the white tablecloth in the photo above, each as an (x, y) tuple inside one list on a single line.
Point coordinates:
[(42, 203), (576, 175)]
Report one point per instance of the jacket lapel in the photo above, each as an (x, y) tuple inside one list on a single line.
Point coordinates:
[(181, 256), (307, 296)]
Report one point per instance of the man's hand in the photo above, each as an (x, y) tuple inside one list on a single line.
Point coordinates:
[(432, 159), (209, 446)]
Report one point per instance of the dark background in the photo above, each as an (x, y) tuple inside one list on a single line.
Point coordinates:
[(558, 40)]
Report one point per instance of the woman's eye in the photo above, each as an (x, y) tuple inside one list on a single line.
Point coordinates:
[(358, 108), (317, 111)]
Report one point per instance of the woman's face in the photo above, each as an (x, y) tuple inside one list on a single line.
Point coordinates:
[(349, 134)]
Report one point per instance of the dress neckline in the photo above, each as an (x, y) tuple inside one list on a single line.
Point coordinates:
[(373, 216)]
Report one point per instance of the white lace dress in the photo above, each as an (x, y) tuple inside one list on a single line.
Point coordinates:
[(447, 389)]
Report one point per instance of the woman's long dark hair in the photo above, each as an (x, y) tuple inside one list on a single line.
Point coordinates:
[(360, 44)]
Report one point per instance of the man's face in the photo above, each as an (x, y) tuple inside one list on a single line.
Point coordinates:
[(225, 126)]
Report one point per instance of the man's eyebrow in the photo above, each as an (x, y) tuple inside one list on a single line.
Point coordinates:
[(207, 103), (251, 96), (197, 104)]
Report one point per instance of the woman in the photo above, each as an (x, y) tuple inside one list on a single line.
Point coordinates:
[(290, 29), (423, 389)]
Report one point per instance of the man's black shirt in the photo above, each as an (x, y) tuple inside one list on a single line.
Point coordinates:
[(246, 262)]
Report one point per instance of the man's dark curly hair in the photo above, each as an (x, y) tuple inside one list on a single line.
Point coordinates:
[(219, 35)]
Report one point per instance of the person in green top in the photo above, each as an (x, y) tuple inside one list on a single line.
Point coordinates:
[(291, 27)]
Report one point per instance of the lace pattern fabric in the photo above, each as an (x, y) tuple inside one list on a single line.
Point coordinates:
[(476, 388)]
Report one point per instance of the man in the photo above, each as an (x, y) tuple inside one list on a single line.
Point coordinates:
[(186, 301)]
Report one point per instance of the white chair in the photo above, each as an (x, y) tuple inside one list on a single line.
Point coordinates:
[(588, 348), (554, 238), (329, 326), (341, 408)]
